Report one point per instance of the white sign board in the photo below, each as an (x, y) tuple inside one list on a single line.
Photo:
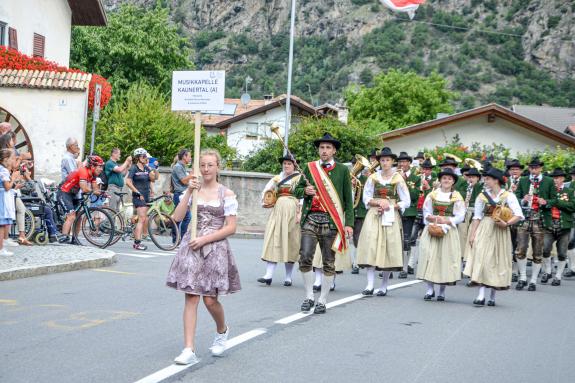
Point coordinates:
[(198, 91), (97, 97)]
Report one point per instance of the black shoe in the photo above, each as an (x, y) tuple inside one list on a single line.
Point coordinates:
[(531, 287), (440, 298), (556, 282), (402, 275), (529, 263), (381, 293), (367, 293), (520, 285), (469, 283), (410, 270), (380, 275), (319, 309), (307, 305), (390, 275), (491, 303), (428, 297), (286, 283), (266, 281), (514, 278), (64, 239), (479, 302), (545, 277), (332, 288), (316, 289), (355, 270), (569, 274)]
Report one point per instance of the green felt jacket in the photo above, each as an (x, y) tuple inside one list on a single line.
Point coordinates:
[(477, 189), (413, 183), (461, 186), (546, 191), (564, 200), (341, 180), (360, 211)]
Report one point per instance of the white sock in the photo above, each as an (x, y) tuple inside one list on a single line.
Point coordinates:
[(289, 271), (308, 284), (270, 268), (325, 285), (412, 260), (318, 277), (333, 282), (522, 267), (430, 289), (370, 278), (406, 255), (354, 257), (384, 281), (547, 265), (560, 268), (571, 256), (492, 295), (442, 290), (535, 269), (514, 268), (481, 294)]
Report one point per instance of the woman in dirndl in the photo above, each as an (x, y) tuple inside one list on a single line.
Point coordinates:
[(489, 262), (440, 254), (282, 235), (380, 243)]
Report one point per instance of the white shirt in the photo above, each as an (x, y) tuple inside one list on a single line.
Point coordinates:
[(512, 202), (458, 208), (402, 191)]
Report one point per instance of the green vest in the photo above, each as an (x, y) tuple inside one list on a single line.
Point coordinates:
[(360, 211), (545, 190), (341, 180), (413, 184), (461, 185), (477, 189), (564, 200)]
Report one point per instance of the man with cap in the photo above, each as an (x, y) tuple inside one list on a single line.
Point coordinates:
[(558, 221), (514, 168), (420, 157), (473, 189), (327, 217), (533, 192), (413, 182)]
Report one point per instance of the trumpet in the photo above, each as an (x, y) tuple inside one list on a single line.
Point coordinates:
[(473, 163), (452, 156), (358, 167)]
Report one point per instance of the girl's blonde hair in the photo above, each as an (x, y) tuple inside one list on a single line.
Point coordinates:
[(212, 152)]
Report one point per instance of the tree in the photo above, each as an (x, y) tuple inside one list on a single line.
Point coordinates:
[(355, 140), (398, 99), (138, 44), (143, 118)]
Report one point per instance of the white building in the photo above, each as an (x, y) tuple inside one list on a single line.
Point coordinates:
[(485, 125), (247, 127), (43, 107)]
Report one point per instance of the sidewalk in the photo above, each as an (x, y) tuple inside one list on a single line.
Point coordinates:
[(31, 261)]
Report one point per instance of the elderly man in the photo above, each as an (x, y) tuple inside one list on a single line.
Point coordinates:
[(70, 160), (5, 127)]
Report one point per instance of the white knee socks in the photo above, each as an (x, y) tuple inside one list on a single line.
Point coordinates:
[(492, 295), (318, 277), (325, 286), (370, 278), (522, 267), (412, 259), (442, 290), (384, 281), (571, 256), (270, 268), (430, 289), (481, 295), (354, 257), (560, 268), (289, 271), (308, 279), (547, 265), (535, 269)]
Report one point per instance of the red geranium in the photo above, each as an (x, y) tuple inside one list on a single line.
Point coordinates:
[(13, 59)]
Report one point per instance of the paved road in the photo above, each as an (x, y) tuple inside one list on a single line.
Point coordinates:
[(120, 324)]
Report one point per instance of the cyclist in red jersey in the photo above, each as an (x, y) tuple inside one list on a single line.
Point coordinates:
[(82, 179)]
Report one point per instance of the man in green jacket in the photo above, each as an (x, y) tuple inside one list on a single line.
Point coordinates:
[(533, 192), (327, 217), (558, 221)]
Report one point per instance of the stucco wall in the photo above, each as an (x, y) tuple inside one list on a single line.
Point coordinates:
[(514, 137), (49, 18), (49, 118)]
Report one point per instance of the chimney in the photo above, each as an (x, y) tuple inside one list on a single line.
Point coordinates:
[(268, 98)]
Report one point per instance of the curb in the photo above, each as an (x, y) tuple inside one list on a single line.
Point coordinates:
[(248, 235), (107, 259)]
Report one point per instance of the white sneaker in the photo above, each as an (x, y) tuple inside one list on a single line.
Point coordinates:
[(10, 242), (219, 345), (5, 252), (187, 357)]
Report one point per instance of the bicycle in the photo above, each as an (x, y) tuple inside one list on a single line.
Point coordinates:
[(93, 224), (160, 224)]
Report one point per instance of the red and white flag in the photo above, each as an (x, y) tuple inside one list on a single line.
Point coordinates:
[(408, 6)]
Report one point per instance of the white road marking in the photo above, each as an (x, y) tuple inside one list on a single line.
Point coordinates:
[(244, 337), (139, 255)]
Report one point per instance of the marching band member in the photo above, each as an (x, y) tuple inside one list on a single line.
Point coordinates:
[(282, 235), (489, 258), (440, 250), (408, 215), (380, 242), (327, 217), (558, 221), (533, 192), (473, 189), (514, 168)]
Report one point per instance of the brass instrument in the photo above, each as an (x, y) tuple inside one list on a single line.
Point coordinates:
[(473, 164), (452, 156), (358, 167), (275, 129)]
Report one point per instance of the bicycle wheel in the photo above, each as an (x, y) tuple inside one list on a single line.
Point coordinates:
[(119, 226), (29, 224), (160, 229), (98, 229)]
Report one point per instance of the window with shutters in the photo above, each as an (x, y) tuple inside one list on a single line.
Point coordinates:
[(12, 38), (2, 33), (39, 42)]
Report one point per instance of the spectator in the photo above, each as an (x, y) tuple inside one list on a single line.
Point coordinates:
[(5, 127), (70, 160), (180, 180), (7, 208), (115, 174)]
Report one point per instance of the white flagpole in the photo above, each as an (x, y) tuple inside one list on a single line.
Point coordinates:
[(290, 65)]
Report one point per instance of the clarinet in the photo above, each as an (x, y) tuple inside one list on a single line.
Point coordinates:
[(529, 207)]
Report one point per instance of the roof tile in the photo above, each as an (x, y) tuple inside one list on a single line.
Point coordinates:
[(44, 79)]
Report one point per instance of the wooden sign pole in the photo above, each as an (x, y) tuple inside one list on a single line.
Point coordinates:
[(194, 208)]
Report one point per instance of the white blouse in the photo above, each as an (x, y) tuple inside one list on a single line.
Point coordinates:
[(402, 191), (273, 183), (512, 202), (458, 208), (230, 204)]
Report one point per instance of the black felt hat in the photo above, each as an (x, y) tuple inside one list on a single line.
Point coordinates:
[(473, 172), (514, 164), (535, 162), (404, 156), (498, 174), (329, 139), (558, 172), (448, 161), (427, 164), (373, 152), (386, 152), (420, 155), (287, 157), (448, 172)]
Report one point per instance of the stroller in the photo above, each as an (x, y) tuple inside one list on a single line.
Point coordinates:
[(36, 228)]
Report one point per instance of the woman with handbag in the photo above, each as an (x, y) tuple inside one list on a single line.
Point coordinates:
[(489, 263), (380, 244), (282, 235), (440, 250)]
